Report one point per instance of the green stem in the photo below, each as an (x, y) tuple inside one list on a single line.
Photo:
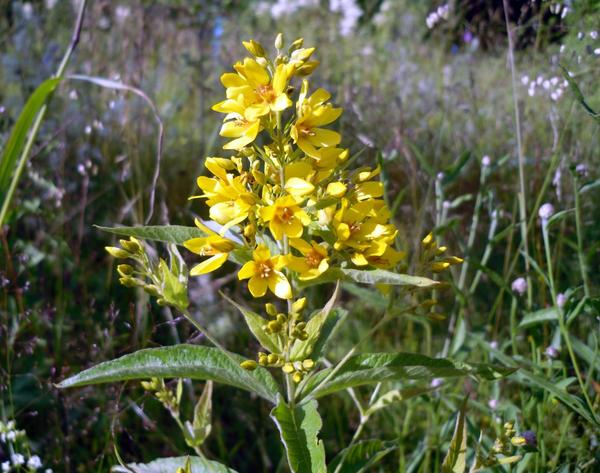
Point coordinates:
[(561, 316), (40, 117), (520, 154), (582, 262)]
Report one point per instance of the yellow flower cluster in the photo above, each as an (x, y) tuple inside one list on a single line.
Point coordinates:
[(285, 188)]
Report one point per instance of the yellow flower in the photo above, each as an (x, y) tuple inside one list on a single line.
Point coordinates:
[(313, 113), (264, 272), (229, 201), (213, 245), (285, 217), (253, 91), (314, 260)]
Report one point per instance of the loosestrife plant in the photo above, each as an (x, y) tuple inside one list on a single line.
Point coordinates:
[(291, 210)]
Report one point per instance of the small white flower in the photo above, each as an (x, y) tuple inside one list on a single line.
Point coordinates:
[(525, 80), (546, 84), (34, 462), (597, 51), (519, 286), (494, 344), (446, 204), (48, 470), (440, 176), (539, 80), (11, 436), (5, 467), (88, 130), (561, 299), (17, 459), (486, 161), (580, 35), (594, 34), (493, 404), (546, 211)]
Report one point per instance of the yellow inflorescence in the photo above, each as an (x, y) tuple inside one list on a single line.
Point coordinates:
[(298, 211)]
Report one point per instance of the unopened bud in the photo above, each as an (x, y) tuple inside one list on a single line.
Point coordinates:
[(249, 365), (274, 326), (282, 319), (162, 302), (307, 68), (439, 266), (288, 368), (132, 245), (441, 250), (296, 45), (299, 305), (263, 359), (271, 309), (297, 377), (428, 241), (125, 270), (117, 252), (152, 290), (279, 41), (254, 48), (308, 364), (128, 281), (272, 358)]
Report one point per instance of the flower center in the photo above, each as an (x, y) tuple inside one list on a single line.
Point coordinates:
[(286, 215), (267, 93), (354, 227), (264, 270), (313, 259)]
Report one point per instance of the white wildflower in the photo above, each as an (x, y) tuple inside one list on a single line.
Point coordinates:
[(546, 211), (34, 462)]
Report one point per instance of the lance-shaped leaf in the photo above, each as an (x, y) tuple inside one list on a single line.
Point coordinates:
[(370, 276), (176, 234), (361, 456), (170, 465), (255, 323), (16, 142), (373, 368), (196, 432), (179, 361), (456, 458), (299, 428)]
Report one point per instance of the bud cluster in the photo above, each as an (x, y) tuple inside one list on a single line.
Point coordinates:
[(432, 256), (167, 284)]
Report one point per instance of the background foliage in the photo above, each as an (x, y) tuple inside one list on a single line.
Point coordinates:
[(422, 101)]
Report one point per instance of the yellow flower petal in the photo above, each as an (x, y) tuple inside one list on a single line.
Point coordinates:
[(257, 286), (298, 187), (209, 265), (247, 271), (279, 285)]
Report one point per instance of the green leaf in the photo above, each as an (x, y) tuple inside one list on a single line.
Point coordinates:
[(381, 276), (16, 141), (176, 234), (361, 456), (179, 361), (453, 171), (199, 430), (174, 288), (539, 317), (255, 323), (579, 95), (372, 368), (314, 327), (299, 429), (456, 458), (170, 465), (393, 396), (527, 378)]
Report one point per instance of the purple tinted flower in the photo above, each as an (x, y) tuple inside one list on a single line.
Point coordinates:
[(530, 438), (551, 352), (493, 404), (519, 286), (561, 299), (467, 36)]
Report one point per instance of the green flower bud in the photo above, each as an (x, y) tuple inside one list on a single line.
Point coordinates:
[(117, 252), (297, 377), (249, 365), (272, 358), (271, 309), (125, 270), (279, 41)]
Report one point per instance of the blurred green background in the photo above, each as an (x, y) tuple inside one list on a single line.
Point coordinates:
[(424, 92)]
